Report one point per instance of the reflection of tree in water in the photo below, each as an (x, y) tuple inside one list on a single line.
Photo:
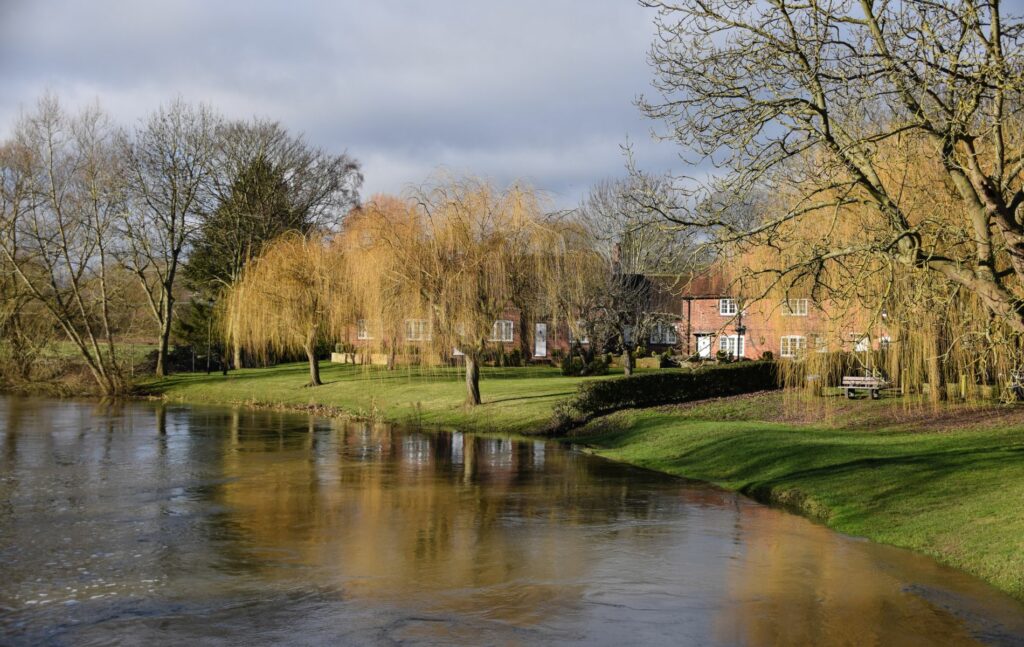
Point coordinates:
[(386, 513)]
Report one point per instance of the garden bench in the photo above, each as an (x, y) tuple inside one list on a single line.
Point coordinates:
[(873, 385)]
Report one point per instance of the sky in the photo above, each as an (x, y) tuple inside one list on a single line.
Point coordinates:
[(539, 91)]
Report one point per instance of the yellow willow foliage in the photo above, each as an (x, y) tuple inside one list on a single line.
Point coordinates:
[(432, 273), (921, 328), (290, 298)]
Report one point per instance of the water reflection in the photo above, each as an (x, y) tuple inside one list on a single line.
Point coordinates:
[(150, 523)]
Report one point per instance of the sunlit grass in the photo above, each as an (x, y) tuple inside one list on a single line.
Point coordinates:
[(514, 399)]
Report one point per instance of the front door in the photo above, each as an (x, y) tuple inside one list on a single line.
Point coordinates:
[(704, 345), (540, 340)]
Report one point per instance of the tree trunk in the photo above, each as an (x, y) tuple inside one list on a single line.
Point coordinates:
[(392, 352), (627, 361), (472, 381), (165, 338), (314, 366), (237, 351)]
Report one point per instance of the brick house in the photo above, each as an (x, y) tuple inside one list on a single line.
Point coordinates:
[(716, 320)]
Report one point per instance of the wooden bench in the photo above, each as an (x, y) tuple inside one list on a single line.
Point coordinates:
[(873, 385)]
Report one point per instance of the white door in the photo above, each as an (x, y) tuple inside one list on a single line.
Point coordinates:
[(704, 345), (540, 340)]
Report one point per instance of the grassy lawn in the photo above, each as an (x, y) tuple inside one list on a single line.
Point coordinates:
[(945, 481), (515, 400)]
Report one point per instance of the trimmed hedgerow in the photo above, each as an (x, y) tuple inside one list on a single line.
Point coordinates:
[(664, 387)]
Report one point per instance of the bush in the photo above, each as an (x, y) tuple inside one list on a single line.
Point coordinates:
[(651, 389), (767, 356), (574, 365)]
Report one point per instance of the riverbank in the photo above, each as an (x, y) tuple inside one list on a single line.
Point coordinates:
[(515, 400), (946, 481)]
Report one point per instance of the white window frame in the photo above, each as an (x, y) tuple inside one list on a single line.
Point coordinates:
[(664, 333), (727, 307), (792, 345), (802, 307), (417, 330), (362, 330), (735, 345), (503, 330)]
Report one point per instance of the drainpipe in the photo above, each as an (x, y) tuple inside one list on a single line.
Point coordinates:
[(689, 324)]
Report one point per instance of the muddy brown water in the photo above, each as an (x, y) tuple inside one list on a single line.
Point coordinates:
[(145, 524)]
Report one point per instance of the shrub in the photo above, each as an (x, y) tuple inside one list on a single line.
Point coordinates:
[(515, 358), (651, 389), (572, 365), (767, 356), (722, 356)]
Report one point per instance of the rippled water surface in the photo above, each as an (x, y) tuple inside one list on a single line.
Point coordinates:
[(146, 524)]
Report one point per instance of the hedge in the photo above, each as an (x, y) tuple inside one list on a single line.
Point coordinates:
[(597, 397)]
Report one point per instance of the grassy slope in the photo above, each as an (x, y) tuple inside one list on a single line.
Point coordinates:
[(947, 483), (514, 400)]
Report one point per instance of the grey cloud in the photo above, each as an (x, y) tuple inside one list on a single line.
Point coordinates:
[(535, 90)]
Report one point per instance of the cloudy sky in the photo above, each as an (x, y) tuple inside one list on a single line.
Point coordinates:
[(534, 90)]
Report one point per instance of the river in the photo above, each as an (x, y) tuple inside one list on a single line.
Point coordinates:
[(141, 523)]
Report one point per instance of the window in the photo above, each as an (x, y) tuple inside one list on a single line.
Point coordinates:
[(884, 342), (819, 342), (731, 344), (362, 331), (501, 330), (794, 308), (727, 307), (792, 346), (627, 334), (664, 333), (417, 330)]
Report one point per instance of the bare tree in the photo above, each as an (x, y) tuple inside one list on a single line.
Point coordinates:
[(169, 161), (61, 193), (814, 102), (637, 257)]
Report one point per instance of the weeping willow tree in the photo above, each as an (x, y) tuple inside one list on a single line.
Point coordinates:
[(380, 297), (877, 313), (294, 295), (433, 273)]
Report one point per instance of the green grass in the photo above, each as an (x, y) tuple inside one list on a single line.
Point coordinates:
[(949, 483), (515, 400)]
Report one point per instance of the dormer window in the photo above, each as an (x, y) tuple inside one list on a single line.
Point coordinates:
[(727, 307)]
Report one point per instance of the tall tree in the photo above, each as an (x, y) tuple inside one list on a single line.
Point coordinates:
[(455, 250), (169, 168), (636, 255), (265, 181), (808, 100), (60, 195)]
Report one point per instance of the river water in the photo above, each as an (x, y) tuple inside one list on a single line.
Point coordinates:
[(147, 524)]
